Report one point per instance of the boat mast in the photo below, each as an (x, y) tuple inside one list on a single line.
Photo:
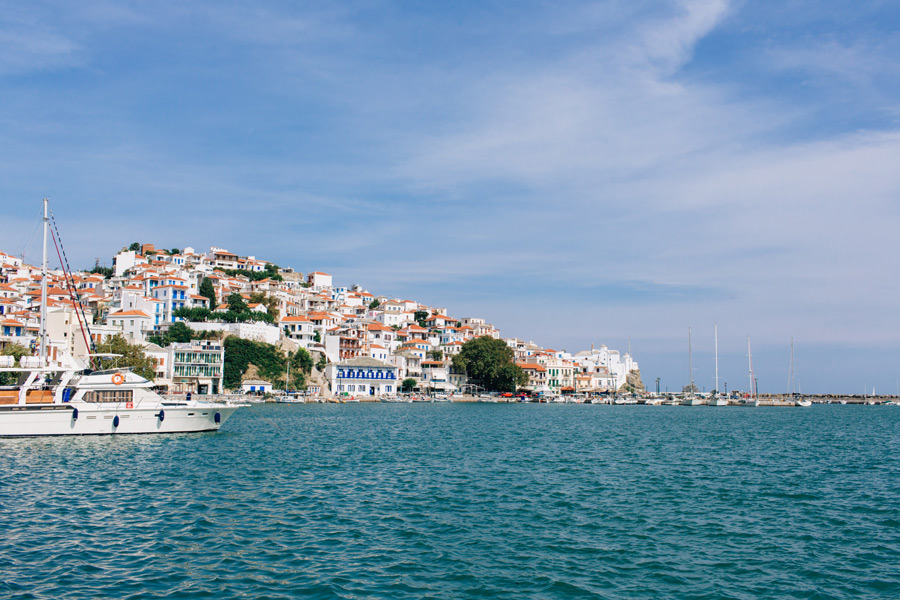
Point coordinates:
[(690, 361), (750, 361), (43, 333), (791, 374), (716, 329)]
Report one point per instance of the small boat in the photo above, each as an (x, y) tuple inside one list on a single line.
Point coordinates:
[(289, 398)]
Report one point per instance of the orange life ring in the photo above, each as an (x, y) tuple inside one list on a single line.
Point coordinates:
[(118, 379)]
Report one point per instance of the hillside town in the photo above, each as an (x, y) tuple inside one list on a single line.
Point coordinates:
[(362, 343)]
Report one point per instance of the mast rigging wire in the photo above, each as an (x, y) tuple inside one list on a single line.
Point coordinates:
[(73, 293)]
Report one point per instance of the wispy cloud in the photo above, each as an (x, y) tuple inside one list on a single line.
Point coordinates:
[(28, 47), (574, 171)]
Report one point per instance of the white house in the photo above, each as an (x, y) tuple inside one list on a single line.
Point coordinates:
[(299, 328), (318, 280), (390, 319), (256, 386), (173, 298), (133, 323)]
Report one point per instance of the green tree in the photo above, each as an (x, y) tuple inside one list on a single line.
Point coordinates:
[(374, 303), (135, 247), (436, 354), (408, 384), (236, 303), (490, 363), (302, 361), (107, 272), (240, 354), (301, 366), (271, 270), (181, 333), (419, 317), (317, 337), (270, 302), (17, 351), (207, 290), (194, 314), (132, 355)]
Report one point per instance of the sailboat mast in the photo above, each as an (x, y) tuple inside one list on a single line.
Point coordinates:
[(750, 362), (43, 350), (716, 329), (791, 375), (691, 361)]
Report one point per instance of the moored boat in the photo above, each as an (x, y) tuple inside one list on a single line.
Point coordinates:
[(57, 395), (60, 400)]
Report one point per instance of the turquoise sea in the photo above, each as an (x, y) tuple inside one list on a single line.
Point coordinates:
[(455, 501)]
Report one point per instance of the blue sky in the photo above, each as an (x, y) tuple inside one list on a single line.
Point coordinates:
[(575, 172)]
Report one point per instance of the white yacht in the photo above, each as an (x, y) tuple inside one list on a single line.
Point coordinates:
[(58, 399), (58, 396)]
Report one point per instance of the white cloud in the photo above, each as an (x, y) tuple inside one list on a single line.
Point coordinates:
[(25, 48)]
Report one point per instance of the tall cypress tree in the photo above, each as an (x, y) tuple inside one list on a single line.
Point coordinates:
[(206, 289)]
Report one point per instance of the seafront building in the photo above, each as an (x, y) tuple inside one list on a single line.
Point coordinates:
[(362, 376), (369, 342)]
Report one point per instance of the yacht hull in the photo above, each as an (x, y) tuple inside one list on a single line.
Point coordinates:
[(87, 419)]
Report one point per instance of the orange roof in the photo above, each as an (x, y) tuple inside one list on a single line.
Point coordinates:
[(531, 366), (130, 313), (53, 291)]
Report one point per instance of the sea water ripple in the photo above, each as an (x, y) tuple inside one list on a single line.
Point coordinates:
[(463, 501)]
